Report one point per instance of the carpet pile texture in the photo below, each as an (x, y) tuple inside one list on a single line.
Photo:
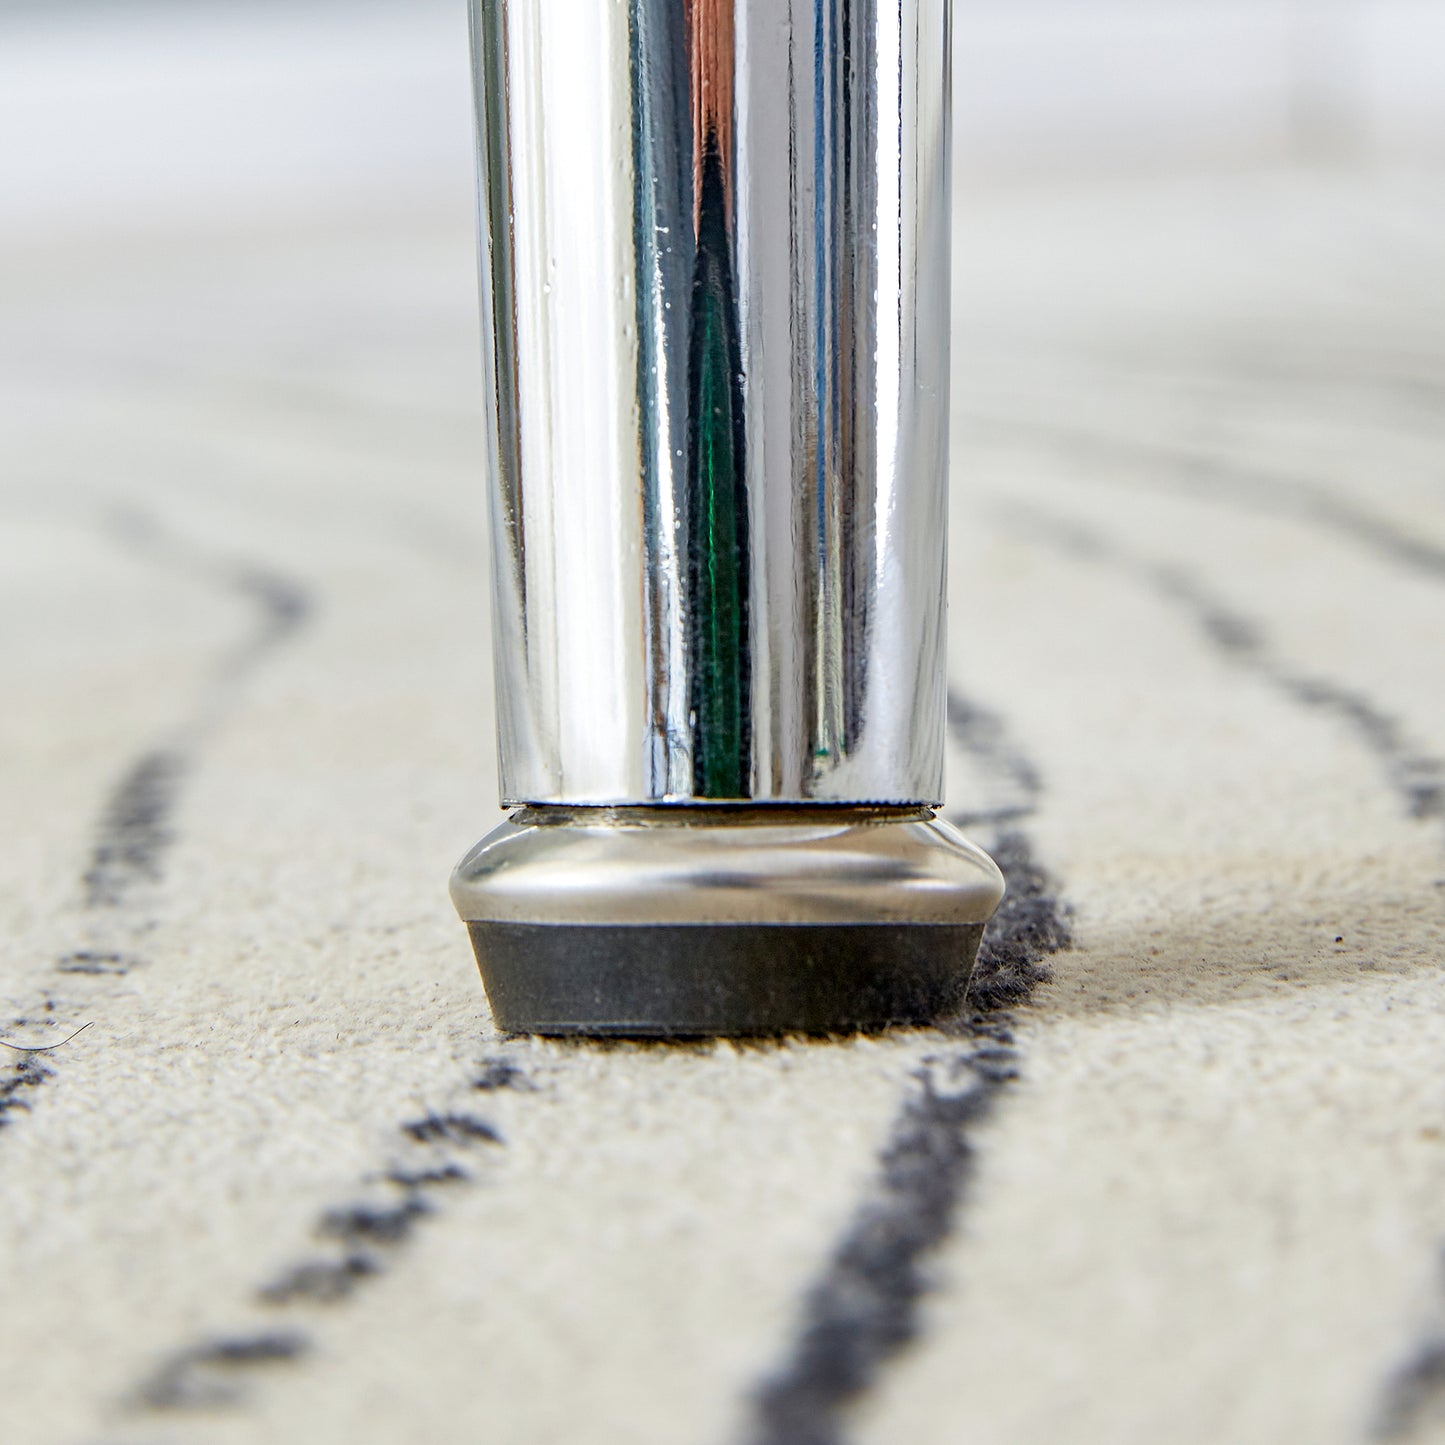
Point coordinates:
[(1180, 1175)]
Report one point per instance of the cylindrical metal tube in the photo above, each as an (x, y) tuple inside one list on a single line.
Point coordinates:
[(715, 240), (715, 282)]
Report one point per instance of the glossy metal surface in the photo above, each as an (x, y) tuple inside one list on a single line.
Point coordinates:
[(698, 920), (736, 866), (715, 286)]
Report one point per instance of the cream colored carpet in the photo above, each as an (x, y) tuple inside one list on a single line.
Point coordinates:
[(290, 1185)]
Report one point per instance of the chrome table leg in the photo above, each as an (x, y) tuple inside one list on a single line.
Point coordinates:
[(715, 282)]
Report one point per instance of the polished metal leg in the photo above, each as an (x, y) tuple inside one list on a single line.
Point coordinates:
[(715, 280)]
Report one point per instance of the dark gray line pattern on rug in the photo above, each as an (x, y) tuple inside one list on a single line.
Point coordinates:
[(1415, 776), (1204, 477), (864, 1308), (355, 1243), (135, 831), (1412, 1399), (1416, 1389)]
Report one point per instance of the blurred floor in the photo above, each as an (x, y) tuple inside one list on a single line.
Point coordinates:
[(291, 1185)]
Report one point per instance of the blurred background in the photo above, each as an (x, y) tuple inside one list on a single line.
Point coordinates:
[(123, 112)]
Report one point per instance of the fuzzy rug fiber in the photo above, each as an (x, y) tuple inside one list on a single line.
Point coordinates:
[(1179, 1180)]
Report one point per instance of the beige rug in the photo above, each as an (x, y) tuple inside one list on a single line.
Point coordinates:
[(290, 1184)]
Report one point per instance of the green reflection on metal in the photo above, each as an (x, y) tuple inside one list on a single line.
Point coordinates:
[(717, 512)]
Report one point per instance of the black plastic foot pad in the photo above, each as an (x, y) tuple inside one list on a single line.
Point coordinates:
[(686, 980)]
